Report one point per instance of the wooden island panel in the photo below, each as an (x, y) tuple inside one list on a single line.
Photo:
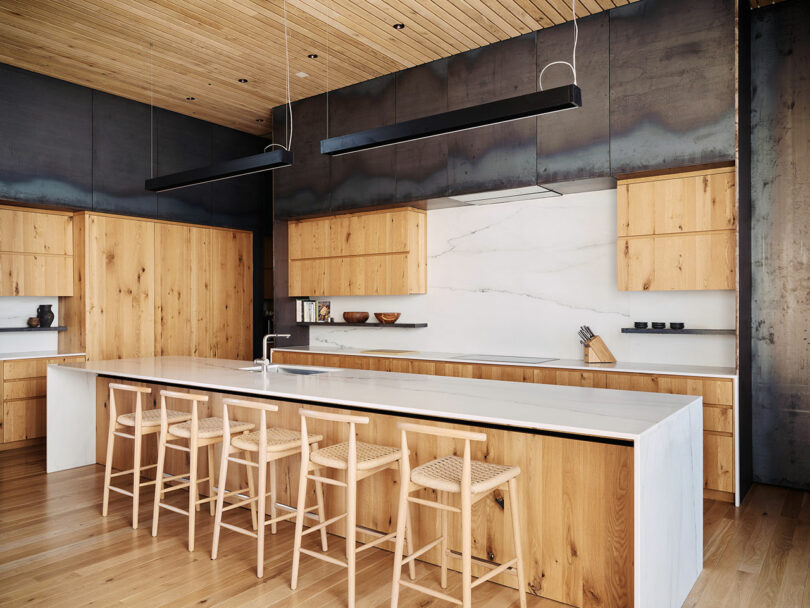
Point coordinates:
[(576, 497)]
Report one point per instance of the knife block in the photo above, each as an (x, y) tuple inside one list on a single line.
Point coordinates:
[(596, 351)]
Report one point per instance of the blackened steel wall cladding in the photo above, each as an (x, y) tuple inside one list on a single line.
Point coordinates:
[(780, 117), (671, 84)]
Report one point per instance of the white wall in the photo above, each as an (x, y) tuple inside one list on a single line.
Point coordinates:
[(520, 278), (14, 312)]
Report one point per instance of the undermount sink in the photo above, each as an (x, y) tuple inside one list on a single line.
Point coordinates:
[(290, 369)]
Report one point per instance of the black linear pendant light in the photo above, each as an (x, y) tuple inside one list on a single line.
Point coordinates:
[(246, 165), (513, 108), (265, 161)]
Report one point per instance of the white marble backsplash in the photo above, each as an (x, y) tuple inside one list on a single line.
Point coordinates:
[(14, 312), (520, 278)]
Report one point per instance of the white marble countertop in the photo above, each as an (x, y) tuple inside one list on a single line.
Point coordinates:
[(36, 354), (640, 368), (582, 411)]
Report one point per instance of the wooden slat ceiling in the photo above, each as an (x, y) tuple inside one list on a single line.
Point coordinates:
[(761, 3), (168, 50)]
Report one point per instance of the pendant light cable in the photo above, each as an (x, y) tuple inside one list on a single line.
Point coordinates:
[(151, 116), (328, 15), (573, 64), (287, 145)]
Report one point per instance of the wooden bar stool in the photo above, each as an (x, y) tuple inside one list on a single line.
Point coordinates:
[(359, 460), (205, 432), (471, 479), (142, 422), (270, 444)]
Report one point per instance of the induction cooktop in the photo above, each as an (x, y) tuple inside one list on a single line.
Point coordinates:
[(506, 359)]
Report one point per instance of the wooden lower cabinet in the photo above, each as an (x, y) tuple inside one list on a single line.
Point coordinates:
[(576, 496), (717, 393), (23, 386)]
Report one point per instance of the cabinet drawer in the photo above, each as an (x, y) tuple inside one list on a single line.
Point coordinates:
[(24, 368), (23, 419), (632, 382), (717, 392), (23, 388), (60, 360), (718, 462), (718, 418)]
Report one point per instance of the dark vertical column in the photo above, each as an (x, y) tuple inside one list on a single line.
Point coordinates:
[(744, 244), (780, 219), (283, 305)]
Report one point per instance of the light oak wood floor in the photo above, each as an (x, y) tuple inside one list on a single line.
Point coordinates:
[(56, 550)]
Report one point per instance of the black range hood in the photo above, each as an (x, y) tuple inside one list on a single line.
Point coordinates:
[(246, 165), (513, 108)]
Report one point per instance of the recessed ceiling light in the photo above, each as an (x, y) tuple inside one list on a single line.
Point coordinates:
[(301, 74), (312, 56), (399, 26), (190, 98), (243, 80)]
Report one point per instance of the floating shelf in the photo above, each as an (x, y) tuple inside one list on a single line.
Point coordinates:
[(55, 328), (720, 332), (381, 325)]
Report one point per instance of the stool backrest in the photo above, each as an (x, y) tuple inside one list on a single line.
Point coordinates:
[(349, 419), (230, 404), (436, 431), (195, 418), (138, 390)]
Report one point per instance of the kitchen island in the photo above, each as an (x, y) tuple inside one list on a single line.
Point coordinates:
[(611, 499)]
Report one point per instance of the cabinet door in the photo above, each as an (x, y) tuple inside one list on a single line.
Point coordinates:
[(695, 261), (309, 239), (23, 231), (23, 419), (120, 288), (182, 291), (718, 462), (636, 263), (695, 203), (30, 274), (232, 294)]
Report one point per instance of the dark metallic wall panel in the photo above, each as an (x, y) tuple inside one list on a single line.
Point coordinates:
[(672, 84), (744, 428), (237, 202), (121, 156), (363, 179), (284, 306), (303, 188), (45, 139), (183, 143), (502, 155), (575, 144), (421, 166), (780, 173)]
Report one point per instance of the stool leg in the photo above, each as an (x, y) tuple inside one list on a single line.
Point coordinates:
[(261, 517), (319, 500), (466, 550), (400, 540), (136, 478), (299, 521), (211, 484), (513, 501), (351, 531), (251, 488), (159, 481), (193, 505), (108, 467), (442, 498), (223, 474), (273, 514)]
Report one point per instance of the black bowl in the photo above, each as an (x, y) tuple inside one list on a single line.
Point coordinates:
[(658, 325), (640, 324), (676, 326)]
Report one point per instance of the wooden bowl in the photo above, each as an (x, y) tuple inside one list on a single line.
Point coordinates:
[(387, 317), (355, 317), (33, 321)]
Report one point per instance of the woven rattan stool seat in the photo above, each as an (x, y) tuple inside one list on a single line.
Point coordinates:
[(369, 455), (278, 440), (444, 475), (152, 417), (208, 427)]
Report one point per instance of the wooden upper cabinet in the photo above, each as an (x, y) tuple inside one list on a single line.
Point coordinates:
[(36, 252), (231, 294), (374, 253), (677, 231)]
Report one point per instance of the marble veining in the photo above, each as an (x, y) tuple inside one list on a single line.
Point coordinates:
[(520, 278)]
